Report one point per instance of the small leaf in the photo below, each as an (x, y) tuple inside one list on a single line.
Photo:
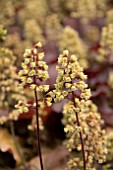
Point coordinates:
[(7, 144)]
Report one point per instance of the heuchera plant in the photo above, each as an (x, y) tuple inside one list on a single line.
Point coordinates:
[(33, 72), (81, 120)]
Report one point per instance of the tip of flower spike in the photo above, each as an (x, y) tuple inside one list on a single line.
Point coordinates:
[(39, 44), (27, 52), (73, 58), (66, 52)]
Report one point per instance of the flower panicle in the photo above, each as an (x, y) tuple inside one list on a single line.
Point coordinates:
[(70, 78), (33, 74), (81, 119)]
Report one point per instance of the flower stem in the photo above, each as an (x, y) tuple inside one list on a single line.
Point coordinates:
[(38, 131), (81, 136)]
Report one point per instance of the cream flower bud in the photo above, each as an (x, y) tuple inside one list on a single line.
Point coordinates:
[(66, 52), (33, 64), (25, 109), (46, 88), (27, 53), (32, 86), (29, 80), (40, 56), (73, 58), (32, 73), (39, 44), (27, 60)]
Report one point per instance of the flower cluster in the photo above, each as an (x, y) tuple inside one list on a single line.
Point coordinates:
[(55, 6), (53, 27), (109, 18), (108, 165), (7, 8), (70, 78), (94, 137), (8, 85), (35, 34), (17, 45), (110, 146), (69, 39), (34, 72), (81, 120), (77, 162), (33, 69), (106, 44), (82, 8), (30, 11)]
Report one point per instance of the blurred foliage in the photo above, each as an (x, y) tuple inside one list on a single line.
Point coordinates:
[(69, 39)]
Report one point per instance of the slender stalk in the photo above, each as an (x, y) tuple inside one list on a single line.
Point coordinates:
[(38, 131), (81, 136)]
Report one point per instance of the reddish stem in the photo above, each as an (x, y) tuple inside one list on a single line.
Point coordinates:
[(38, 131), (81, 136)]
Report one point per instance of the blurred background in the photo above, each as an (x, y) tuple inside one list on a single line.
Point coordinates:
[(85, 28)]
